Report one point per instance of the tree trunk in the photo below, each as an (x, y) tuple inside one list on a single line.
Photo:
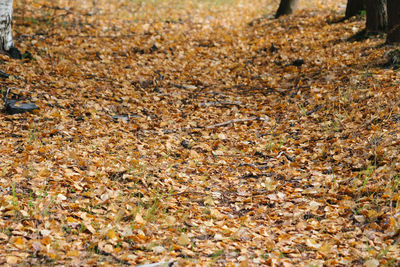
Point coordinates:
[(393, 8), (376, 15), (286, 7), (354, 7), (6, 40)]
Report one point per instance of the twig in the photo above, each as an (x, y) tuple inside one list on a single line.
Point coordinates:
[(235, 121), (158, 264), (7, 93), (289, 158), (221, 103), (268, 132), (117, 259), (9, 90), (188, 193), (260, 166)]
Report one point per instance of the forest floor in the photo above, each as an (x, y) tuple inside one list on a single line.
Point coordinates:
[(201, 133)]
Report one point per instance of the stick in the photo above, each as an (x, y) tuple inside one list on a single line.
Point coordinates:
[(235, 121), (188, 193)]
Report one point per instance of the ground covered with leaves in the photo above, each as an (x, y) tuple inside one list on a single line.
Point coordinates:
[(199, 132)]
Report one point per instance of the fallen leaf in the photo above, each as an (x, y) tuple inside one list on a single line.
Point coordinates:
[(183, 240)]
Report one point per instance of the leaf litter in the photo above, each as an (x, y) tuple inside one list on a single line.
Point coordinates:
[(198, 132)]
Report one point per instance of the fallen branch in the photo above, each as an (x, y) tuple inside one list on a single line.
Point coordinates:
[(235, 121), (187, 193), (289, 158), (268, 132), (221, 103), (158, 264)]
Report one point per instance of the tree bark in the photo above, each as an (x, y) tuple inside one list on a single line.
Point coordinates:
[(393, 10), (354, 7), (6, 40), (286, 7), (377, 19)]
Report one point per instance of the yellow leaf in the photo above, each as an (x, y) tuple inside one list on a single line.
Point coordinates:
[(372, 214), (44, 173), (171, 220), (90, 228), (46, 240), (183, 240), (216, 214), (3, 236), (221, 136), (139, 219), (108, 248), (158, 249), (313, 244), (70, 219), (325, 249), (371, 263), (111, 234), (13, 260), (51, 255), (19, 243), (73, 253), (209, 201)]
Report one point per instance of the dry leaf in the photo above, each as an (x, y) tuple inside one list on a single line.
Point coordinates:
[(372, 263), (183, 240), (203, 132), (13, 260)]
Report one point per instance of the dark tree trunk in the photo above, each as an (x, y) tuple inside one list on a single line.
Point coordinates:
[(376, 16), (354, 7), (286, 7), (393, 8)]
